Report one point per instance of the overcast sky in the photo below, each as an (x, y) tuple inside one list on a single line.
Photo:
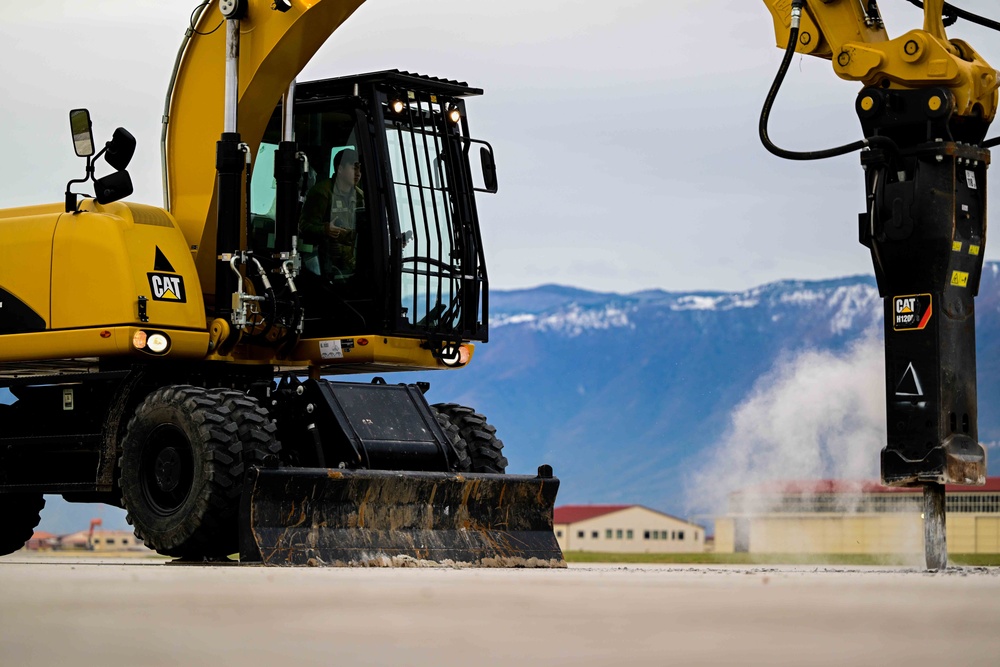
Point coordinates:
[(625, 131)]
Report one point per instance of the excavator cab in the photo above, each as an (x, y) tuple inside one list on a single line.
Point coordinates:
[(385, 165)]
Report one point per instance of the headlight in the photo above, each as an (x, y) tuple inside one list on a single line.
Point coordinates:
[(158, 343), (151, 341), (455, 355)]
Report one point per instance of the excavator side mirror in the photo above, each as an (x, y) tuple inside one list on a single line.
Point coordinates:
[(83, 136), (489, 169), (113, 187), (121, 148), (487, 165)]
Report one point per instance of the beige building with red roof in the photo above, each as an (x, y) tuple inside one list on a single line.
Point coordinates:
[(101, 540), (624, 529), (41, 540), (864, 517)]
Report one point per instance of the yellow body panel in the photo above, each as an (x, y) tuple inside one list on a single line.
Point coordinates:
[(824, 27), (25, 211), (274, 47), (96, 342), (837, 30), (404, 353), (353, 354), (101, 261), (83, 275), (26, 256)]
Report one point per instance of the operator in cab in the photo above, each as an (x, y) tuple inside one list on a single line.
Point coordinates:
[(329, 219)]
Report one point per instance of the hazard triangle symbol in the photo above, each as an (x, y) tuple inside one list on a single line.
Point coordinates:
[(909, 385)]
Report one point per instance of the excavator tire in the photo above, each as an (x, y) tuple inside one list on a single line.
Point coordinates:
[(20, 513), (463, 462), (485, 449), (257, 431), (182, 473)]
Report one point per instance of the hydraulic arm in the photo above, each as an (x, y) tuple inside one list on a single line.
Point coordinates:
[(925, 109), (271, 48)]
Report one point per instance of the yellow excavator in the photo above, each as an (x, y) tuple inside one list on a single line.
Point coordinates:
[(171, 360), (925, 109)]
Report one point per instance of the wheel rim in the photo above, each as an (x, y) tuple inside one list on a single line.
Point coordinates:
[(166, 471)]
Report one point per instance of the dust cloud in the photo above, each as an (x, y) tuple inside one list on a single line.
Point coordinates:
[(816, 415)]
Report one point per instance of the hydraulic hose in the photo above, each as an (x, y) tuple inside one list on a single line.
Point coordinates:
[(793, 38), (954, 13)]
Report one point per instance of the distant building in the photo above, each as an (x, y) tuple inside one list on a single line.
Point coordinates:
[(41, 541), (625, 529), (101, 540), (835, 516)]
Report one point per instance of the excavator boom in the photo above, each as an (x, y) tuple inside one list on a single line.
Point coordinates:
[(852, 35), (274, 46)]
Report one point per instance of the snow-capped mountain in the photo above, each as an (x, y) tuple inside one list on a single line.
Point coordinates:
[(626, 395)]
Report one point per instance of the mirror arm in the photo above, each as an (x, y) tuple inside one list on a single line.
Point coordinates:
[(96, 158), (71, 197)]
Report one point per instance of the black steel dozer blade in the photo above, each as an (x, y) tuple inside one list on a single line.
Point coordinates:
[(372, 518)]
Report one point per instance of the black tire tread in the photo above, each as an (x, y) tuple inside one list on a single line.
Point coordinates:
[(208, 528), (485, 449), (460, 448), (257, 431)]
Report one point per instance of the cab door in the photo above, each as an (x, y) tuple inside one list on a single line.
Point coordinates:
[(439, 268)]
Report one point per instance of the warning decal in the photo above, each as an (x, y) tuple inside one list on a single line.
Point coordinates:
[(912, 312), (331, 349), (909, 388)]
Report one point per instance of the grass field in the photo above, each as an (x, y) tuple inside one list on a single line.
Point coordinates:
[(771, 559)]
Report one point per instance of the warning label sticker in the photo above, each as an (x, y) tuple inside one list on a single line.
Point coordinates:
[(909, 389), (331, 349), (911, 312)]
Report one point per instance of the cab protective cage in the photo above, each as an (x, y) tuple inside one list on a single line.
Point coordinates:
[(427, 276)]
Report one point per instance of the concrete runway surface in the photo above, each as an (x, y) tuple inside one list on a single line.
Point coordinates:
[(64, 611)]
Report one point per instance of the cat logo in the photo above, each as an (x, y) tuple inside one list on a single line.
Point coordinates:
[(911, 313), (167, 287)]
